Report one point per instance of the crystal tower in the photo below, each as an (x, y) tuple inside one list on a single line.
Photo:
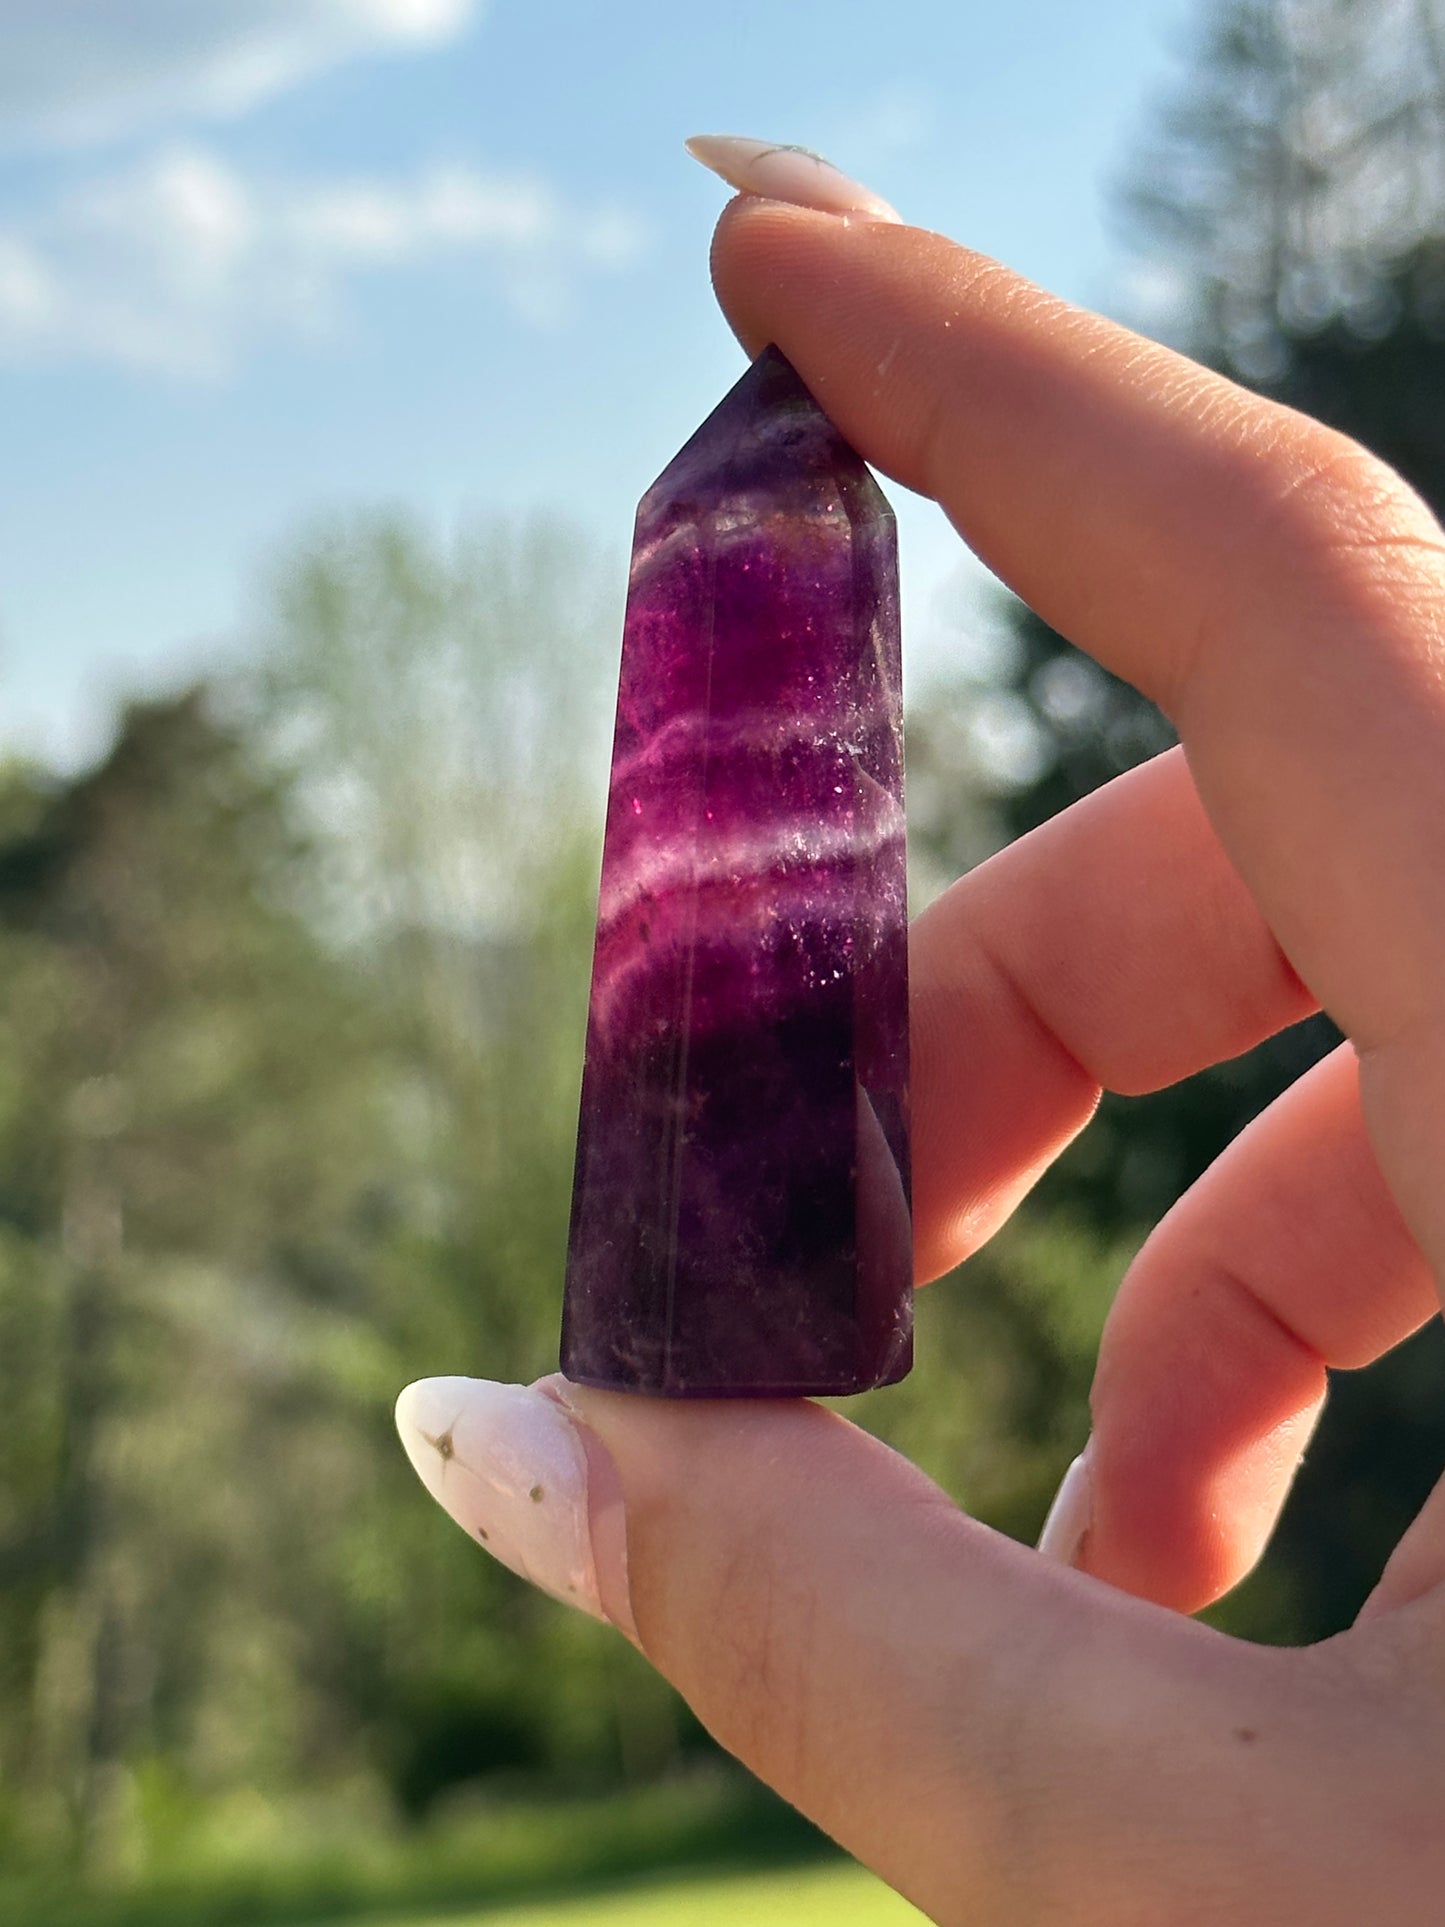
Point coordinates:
[(740, 1217)]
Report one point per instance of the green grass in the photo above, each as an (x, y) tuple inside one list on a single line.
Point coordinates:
[(545, 1860), (801, 1897)]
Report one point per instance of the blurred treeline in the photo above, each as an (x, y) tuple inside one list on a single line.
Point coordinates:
[(295, 984)]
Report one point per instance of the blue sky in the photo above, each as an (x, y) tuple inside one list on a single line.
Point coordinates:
[(265, 259)]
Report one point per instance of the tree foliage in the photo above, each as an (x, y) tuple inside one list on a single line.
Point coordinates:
[(296, 980)]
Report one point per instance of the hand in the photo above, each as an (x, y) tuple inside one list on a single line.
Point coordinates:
[(1005, 1738)]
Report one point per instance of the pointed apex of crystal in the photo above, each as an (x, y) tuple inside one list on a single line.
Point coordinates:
[(766, 424), (740, 1221)]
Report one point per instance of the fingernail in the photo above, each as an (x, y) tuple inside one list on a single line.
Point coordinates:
[(520, 1475), (783, 173), (1068, 1519)]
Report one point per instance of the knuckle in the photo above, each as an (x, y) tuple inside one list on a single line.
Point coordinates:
[(1337, 503), (1328, 532)]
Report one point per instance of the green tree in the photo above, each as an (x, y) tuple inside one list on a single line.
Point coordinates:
[(165, 1016), (296, 982), (444, 711)]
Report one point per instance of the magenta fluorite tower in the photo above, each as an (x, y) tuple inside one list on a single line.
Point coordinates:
[(740, 1223)]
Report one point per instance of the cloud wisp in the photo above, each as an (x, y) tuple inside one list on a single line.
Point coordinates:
[(82, 71), (181, 264)]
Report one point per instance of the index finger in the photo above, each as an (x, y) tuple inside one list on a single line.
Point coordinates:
[(1279, 592)]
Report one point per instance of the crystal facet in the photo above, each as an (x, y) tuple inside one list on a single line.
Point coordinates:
[(740, 1221)]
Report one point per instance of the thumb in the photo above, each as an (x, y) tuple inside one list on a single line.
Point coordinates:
[(1000, 1738)]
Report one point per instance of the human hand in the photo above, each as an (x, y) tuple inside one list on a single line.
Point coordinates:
[(1003, 1737)]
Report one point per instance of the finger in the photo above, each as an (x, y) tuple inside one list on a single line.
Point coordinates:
[(1277, 590), (1113, 948), (1289, 1255), (1000, 1739), (1414, 1570)]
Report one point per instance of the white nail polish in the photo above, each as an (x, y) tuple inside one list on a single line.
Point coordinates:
[(1069, 1514), (783, 173), (510, 1467)]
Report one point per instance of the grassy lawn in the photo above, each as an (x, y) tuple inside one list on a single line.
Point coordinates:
[(801, 1897), (661, 1856)]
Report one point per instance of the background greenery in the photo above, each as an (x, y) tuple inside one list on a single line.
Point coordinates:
[(295, 990)]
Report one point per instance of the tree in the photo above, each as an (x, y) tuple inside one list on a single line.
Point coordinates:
[(158, 992), (443, 710), (295, 991), (1297, 183)]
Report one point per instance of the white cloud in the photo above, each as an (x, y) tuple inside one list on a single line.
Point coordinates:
[(77, 71), (450, 207), (26, 295), (181, 263)]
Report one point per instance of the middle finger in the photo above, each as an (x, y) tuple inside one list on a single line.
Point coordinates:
[(1113, 948)]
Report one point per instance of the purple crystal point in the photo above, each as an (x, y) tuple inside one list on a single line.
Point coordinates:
[(740, 1222)]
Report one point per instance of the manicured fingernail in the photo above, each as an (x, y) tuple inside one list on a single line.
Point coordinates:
[(782, 173), (1069, 1515), (521, 1476)]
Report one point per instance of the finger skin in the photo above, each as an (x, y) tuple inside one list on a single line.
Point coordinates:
[(1279, 592), (1114, 948), (1288, 1256), (1004, 1740)]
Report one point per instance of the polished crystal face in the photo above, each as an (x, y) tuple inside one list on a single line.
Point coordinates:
[(740, 1221)]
